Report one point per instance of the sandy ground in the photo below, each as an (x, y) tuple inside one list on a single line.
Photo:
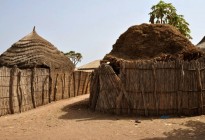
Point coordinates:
[(71, 119)]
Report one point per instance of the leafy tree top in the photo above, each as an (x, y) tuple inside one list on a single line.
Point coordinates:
[(74, 57), (165, 13)]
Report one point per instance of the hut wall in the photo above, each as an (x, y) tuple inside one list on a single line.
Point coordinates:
[(24, 89), (80, 83), (150, 88)]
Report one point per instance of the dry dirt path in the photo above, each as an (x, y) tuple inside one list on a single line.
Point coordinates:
[(70, 119)]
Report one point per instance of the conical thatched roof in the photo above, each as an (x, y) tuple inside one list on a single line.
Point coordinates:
[(201, 44), (34, 51)]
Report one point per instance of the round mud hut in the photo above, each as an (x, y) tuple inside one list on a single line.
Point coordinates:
[(153, 70), (36, 73)]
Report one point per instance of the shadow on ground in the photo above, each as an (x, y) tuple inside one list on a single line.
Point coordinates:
[(195, 131), (80, 111)]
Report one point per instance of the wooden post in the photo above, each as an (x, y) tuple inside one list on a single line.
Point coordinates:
[(199, 88), (11, 89), (144, 102), (19, 88), (180, 79), (56, 87), (74, 87), (64, 78), (155, 88), (32, 86), (84, 83), (43, 90), (79, 79), (87, 88), (50, 85), (69, 85), (63, 85)]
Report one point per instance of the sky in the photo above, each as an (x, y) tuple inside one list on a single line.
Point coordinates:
[(89, 27)]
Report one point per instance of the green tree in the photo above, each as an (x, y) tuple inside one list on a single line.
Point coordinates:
[(74, 57), (165, 13)]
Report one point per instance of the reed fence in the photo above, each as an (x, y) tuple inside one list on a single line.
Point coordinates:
[(150, 88), (24, 89)]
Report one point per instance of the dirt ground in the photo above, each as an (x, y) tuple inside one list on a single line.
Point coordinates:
[(71, 119)]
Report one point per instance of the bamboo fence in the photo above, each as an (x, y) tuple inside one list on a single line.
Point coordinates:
[(150, 88), (24, 89)]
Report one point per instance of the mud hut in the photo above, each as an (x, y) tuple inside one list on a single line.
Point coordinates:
[(154, 70), (33, 73), (201, 44)]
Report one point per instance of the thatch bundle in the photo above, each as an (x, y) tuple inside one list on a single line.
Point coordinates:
[(34, 51), (99, 98), (201, 44), (159, 42)]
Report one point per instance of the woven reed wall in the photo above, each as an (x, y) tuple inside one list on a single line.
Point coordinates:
[(150, 88), (22, 90), (80, 83)]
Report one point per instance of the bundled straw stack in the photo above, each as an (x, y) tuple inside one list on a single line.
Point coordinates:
[(158, 42)]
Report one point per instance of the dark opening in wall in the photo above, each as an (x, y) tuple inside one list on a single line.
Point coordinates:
[(116, 67), (114, 64)]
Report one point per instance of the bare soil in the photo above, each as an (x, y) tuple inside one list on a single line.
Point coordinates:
[(71, 119)]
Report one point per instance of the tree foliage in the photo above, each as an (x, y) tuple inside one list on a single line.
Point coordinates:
[(74, 57), (165, 13)]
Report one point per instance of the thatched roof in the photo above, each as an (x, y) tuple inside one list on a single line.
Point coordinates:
[(153, 41), (158, 42), (201, 44), (90, 66), (34, 51)]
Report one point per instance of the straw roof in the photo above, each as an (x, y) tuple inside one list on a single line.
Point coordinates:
[(201, 44), (34, 51), (158, 42), (153, 41), (90, 66)]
